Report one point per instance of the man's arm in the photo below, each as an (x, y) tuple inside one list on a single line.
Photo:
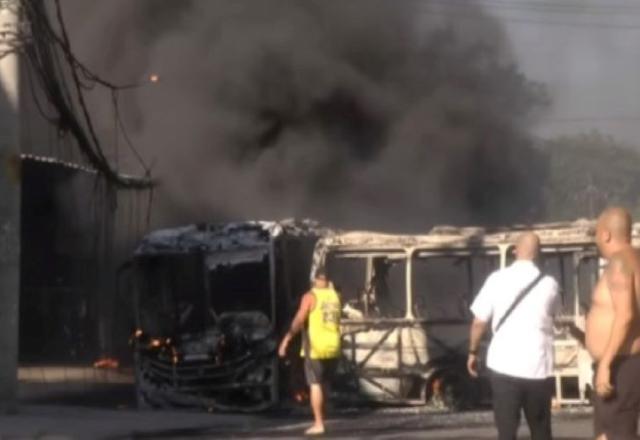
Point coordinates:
[(306, 305), (478, 329), (482, 309), (619, 279)]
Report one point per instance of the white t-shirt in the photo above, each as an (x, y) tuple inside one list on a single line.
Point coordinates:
[(523, 346)]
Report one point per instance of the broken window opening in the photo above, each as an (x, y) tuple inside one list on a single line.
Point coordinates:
[(371, 285), (588, 268), (171, 294), (444, 285), (560, 266), (241, 287)]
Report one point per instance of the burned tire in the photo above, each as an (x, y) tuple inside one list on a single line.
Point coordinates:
[(457, 392)]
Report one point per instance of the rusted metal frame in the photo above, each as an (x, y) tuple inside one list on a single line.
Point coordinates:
[(224, 387), (469, 294), (577, 259), (563, 279), (503, 248), (376, 347), (399, 347), (593, 275), (195, 372), (174, 373), (200, 371), (353, 346), (273, 380), (391, 373), (373, 323), (207, 292), (368, 288), (286, 271), (135, 283), (381, 387), (272, 281), (413, 346), (409, 284), (205, 401)]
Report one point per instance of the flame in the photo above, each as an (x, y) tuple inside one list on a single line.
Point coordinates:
[(155, 342), (154, 78), (300, 396), (107, 363), (436, 387)]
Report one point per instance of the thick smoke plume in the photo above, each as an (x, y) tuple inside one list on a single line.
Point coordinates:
[(361, 113)]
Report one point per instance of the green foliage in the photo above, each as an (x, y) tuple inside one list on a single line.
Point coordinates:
[(587, 172)]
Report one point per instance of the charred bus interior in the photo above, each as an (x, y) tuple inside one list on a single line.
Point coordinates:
[(209, 305), (198, 343), (406, 322), (406, 308)]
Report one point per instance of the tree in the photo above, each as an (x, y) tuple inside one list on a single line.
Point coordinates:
[(587, 172)]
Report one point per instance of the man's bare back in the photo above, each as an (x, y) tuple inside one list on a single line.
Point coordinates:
[(601, 316)]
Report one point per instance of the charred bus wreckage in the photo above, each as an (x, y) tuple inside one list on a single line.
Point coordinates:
[(209, 304), (406, 307), (212, 300)]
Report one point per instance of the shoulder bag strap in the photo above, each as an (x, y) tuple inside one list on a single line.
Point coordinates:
[(517, 301)]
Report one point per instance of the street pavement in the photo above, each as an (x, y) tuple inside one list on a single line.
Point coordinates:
[(50, 422)]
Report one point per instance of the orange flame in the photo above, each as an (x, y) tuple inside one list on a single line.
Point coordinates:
[(107, 363)]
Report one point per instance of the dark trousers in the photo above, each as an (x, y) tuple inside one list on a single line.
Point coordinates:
[(511, 395)]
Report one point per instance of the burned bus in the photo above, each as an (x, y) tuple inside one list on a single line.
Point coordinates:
[(210, 302), (406, 305)]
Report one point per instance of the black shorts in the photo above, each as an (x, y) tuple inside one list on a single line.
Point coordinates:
[(319, 371), (617, 416)]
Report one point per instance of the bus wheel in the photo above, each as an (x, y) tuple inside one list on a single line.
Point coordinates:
[(458, 392)]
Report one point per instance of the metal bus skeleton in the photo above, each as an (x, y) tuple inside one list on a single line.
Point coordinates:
[(211, 300), (406, 306)]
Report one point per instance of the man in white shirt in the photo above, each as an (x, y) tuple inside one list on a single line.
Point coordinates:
[(520, 355)]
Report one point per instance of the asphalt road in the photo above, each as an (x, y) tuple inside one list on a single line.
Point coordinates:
[(48, 422)]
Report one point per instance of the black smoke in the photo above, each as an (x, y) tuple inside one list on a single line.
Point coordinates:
[(361, 113)]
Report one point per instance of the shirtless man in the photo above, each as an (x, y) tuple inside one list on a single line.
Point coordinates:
[(613, 330)]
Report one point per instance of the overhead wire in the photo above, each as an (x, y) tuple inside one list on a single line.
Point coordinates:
[(42, 47)]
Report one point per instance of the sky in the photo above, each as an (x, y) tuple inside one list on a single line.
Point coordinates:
[(587, 53)]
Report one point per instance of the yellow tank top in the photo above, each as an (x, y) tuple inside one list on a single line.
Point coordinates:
[(323, 332)]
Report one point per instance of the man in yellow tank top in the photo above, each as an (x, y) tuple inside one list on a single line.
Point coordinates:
[(319, 319)]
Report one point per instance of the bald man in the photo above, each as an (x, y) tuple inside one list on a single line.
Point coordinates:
[(613, 330), (520, 356)]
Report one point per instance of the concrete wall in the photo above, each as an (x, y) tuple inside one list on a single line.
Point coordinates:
[(9, 218)]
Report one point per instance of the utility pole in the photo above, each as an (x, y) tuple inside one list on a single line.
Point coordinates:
[(10, 190)]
